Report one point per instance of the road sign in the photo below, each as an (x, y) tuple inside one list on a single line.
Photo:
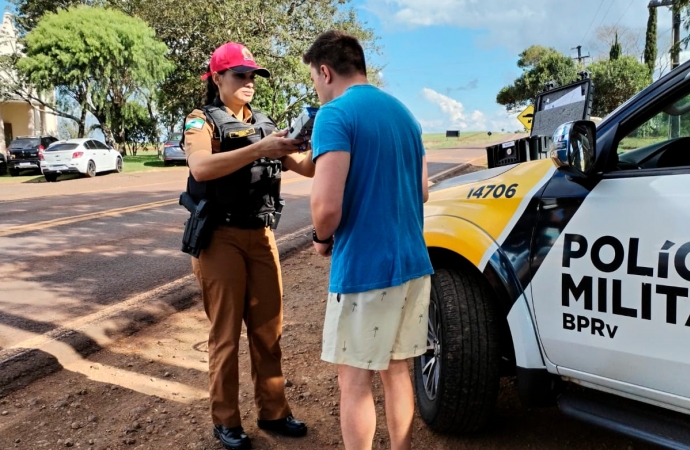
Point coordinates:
[(526, 117)]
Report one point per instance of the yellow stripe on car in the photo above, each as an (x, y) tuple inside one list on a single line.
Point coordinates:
[(472, 218)]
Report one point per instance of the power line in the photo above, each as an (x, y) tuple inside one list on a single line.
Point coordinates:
[(624, 12), (607, 12), (593, 19)]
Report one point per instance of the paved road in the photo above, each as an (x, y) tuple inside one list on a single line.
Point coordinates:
[(68, 249)]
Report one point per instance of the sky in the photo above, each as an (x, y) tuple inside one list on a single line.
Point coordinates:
[(447, 59)]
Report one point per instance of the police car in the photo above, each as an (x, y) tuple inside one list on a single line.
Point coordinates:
[(572, 274)]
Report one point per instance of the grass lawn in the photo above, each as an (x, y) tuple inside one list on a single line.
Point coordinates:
[(436, 141), (632, 143), (143, 162)]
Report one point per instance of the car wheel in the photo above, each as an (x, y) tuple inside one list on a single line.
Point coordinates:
[(118, 165), (51, 177), (457, 380), (14, 172), (91, 169)]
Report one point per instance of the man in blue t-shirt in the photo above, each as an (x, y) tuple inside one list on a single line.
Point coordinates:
[(367, 207)]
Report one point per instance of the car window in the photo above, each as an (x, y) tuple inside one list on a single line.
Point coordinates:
[(90, 145), (61, 147), (100, 145), (175, 137), (25, 142), (662, 141)]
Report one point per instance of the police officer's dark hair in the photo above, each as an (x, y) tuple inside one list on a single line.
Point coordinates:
[(211, 89), (338, 50)]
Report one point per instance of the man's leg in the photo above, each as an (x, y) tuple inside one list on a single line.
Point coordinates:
[(397, 389), (357, 412)]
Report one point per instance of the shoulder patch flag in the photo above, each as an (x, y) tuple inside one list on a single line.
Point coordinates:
[(195, 124)]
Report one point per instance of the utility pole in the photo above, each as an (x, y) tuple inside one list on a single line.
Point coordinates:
[(579, 57), (675, 50)]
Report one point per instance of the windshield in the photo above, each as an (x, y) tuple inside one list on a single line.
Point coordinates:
[(61, 147), (175, 137), (23, 143)]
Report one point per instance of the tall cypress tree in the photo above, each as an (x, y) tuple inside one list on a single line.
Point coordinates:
[(616, 50), (650, 41)]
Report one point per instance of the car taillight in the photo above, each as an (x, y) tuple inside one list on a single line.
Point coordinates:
[(168, 145), (40, 153), (76, 155)]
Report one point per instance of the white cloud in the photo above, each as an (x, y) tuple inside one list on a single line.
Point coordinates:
[(455, 116), (517, 25), (453, 109)]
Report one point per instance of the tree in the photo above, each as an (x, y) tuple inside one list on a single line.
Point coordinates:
[(140, 128), (650, 49), (616, 50), (539, 65), (29, 12), (631, 40), (101, 58), (277, 33), (615, 81)]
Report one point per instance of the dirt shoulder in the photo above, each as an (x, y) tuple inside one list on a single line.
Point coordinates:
[(148, 391)]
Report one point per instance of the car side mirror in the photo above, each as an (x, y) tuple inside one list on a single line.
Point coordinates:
[(573, 148)]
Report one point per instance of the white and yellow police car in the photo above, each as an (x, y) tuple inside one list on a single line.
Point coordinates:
[(569, 270)]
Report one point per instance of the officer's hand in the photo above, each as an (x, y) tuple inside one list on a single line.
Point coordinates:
[(276, 145), (324, 249)]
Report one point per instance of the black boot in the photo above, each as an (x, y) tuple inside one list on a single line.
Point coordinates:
[(232, 438), (288, 426)]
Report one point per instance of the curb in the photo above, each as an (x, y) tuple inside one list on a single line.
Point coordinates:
[(35, 358)]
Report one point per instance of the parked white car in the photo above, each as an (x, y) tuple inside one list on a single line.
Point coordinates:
[(85, 156)]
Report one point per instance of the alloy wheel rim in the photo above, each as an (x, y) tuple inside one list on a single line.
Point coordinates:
[(431, 360)]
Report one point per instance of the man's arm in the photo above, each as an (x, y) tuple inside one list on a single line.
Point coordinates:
[(425, 180), (327, 192), (301, 164)]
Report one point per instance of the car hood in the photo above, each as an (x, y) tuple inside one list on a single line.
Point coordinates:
[(489, 199), (471, 178)]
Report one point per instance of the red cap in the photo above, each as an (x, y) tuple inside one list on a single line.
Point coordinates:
[(235, 57)]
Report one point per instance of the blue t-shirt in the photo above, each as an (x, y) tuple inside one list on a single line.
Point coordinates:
[(379, 242)]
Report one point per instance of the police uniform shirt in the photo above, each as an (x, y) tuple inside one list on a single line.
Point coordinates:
[(198, 133)]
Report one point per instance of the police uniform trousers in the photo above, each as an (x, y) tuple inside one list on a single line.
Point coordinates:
[(240, 280)]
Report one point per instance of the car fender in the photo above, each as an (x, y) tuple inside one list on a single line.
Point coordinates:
[(449, 235)]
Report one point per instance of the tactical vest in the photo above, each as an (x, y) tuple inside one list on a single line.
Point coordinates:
[(254, 190)]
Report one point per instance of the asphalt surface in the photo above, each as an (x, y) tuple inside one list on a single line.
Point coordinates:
[(70, 248)]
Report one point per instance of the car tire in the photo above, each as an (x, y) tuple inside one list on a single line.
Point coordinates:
[(14, 172), (51, 177), (166, 163), (118, 165), (91, 169), (462, 366)]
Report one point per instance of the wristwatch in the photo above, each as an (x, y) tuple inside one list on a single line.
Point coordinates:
[(319, 241)]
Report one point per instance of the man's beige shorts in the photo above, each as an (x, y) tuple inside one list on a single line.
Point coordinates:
[(368, 329)]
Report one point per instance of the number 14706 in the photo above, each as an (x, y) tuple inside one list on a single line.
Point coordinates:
[(497, 190)]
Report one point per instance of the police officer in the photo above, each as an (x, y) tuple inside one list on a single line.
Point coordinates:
[(235, 157)]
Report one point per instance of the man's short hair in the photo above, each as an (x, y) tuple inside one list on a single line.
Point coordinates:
[(338, 50)]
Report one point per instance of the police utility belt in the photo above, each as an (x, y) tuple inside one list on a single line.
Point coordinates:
[(248, 198)]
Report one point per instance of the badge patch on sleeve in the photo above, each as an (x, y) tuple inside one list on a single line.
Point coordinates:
[(195, 124)]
